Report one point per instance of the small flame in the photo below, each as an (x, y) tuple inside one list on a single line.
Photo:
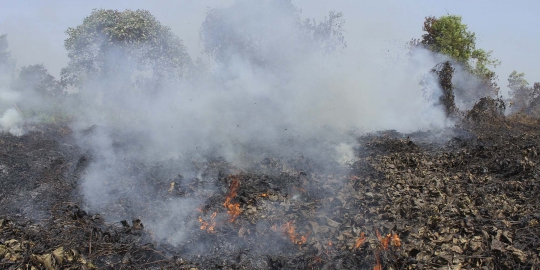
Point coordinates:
[(360, 240), (377, 266), (392, 239), (396, 242), (208, 226), (289, 230), (232, 208)]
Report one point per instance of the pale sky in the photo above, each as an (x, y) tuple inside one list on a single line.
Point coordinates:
[(510, 28)]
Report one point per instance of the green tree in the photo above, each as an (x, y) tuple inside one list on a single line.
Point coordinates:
[(37, 79), (268, 33), (448, 35), (132, 45), (522, 97), (516, 81)]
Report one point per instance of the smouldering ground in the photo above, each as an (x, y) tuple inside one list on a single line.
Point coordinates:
[(407, 202)]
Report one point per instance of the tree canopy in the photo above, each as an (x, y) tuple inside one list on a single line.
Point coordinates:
[(268, 33), (38, 79), (7, 65), (129, 43), (524, 98), (449, 36)]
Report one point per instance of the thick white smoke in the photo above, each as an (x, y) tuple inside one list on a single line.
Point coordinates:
[(10, 122), (10, 118), (288, 100), (283, 98)]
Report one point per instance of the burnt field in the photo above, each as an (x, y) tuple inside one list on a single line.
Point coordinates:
[(466, 199)]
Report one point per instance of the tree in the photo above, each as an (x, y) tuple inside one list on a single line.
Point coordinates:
[(448, 35), (37, 79), (131, 46), (268, 33), (7, 65), (522, 97)]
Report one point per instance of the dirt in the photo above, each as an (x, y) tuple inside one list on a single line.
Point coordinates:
[(463, 198)]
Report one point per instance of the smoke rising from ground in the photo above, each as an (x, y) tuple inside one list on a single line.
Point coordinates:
[(10, 119), (284, 98)]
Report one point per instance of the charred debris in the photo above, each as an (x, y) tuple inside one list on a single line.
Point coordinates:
[(466, 198)]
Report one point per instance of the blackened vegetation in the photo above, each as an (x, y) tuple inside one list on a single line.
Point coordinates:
[(35, 171), (487, 109), (445, 72), (470, 201)]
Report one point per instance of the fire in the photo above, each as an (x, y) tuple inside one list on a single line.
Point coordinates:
[(208, 226), (360, 240), (392, 239), (289, 230), (395, 241), (303, 238), (377, 266), (232, 208)]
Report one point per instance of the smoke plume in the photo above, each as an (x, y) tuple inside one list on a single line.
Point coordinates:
[(282, 87)]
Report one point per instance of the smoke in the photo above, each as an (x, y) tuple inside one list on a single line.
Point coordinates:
[(468, 88), (282, 99), (286, 96), (10, 121)]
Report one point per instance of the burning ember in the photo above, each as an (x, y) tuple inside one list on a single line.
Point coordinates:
[(208, 226), (392, 239), (288, 229), (232, 208), (395, 241), (377, 266), (360, 240)]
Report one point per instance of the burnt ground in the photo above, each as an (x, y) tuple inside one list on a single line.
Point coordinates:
[(466, 200)]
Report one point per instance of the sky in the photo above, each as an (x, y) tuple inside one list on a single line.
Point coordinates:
[(36, 29)]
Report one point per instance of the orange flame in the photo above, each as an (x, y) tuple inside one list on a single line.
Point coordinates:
[(377, 266), (360, 240), (396, 242), (392, 239), (289, 230), (232, 208), (208, 226)]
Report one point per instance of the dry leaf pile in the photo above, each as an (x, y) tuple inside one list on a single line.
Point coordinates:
[(465, 198)]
